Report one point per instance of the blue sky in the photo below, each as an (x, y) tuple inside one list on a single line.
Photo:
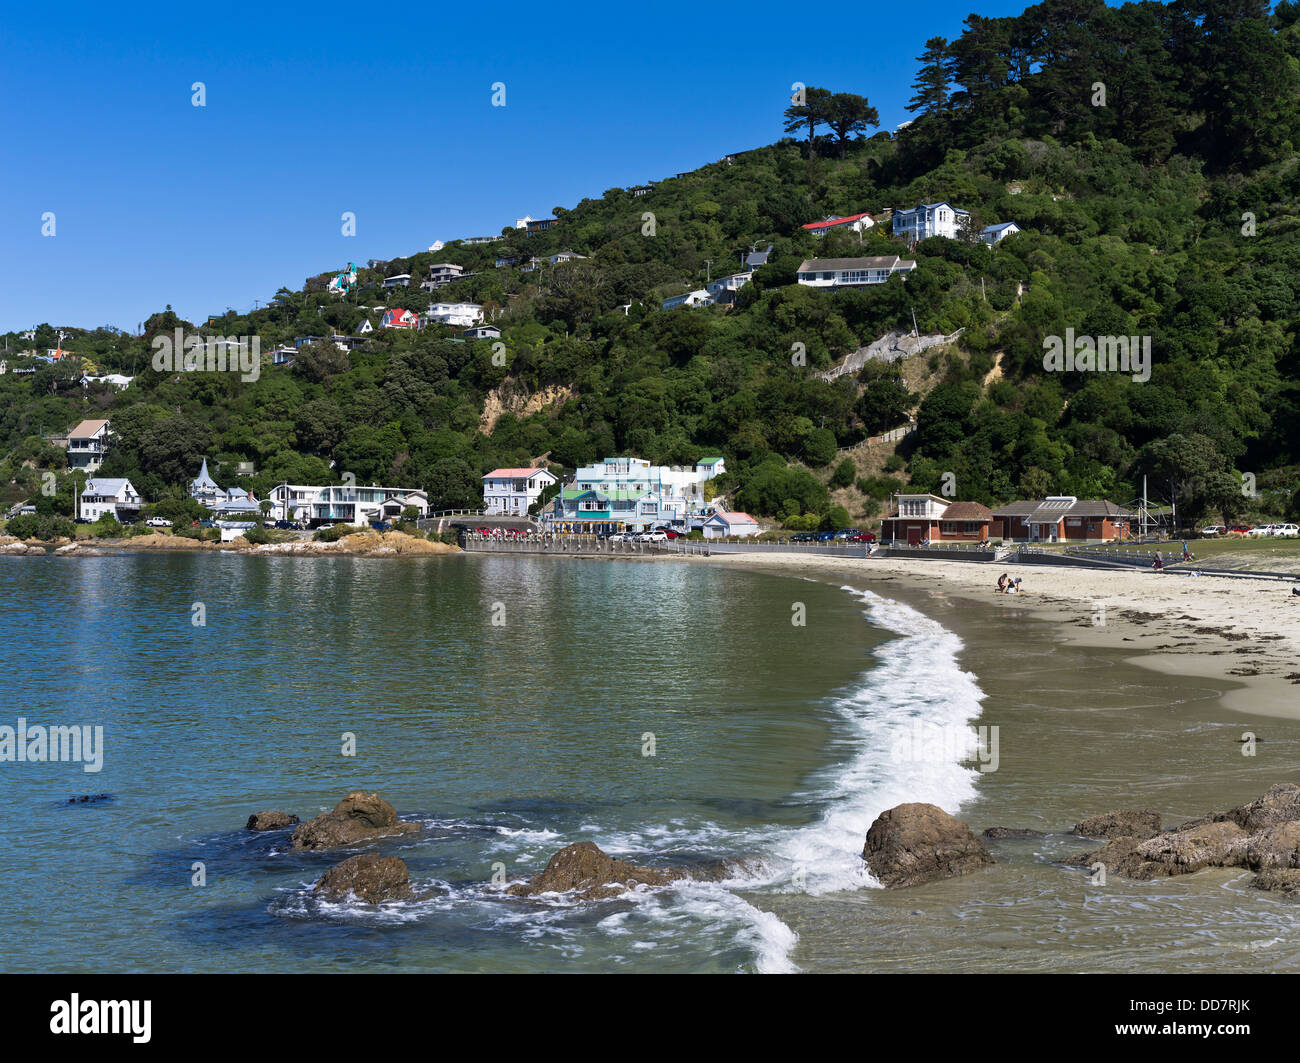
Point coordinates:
[(327, 108)]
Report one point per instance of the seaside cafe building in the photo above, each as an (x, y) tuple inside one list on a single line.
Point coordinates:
[(928, 518), (1062, 518)]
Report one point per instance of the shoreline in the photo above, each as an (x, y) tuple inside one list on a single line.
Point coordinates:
[(1244, 636)]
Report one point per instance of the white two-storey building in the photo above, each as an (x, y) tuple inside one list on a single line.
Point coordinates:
[(510, 492), (931, 219)]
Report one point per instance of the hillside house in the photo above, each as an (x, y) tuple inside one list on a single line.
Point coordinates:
[(396, 317), (512, 491), (88, 442), (852, 272), (109, 495), (995, 234), (931, 219), (856, 223), (459, 315)]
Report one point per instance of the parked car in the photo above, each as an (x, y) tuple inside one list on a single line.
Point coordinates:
[(1239, 529), (158, 522), (620, 537), (825, 537), (381, 525), (483, 530), (803, 537), (1263, 531), (1286, 531), (844, 533), (285, 525), (862, 537), (1211, 530), (652, 537), (325, 527)]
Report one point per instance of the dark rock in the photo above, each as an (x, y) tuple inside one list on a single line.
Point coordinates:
[(1183, 851), (273, 820), (915, 843), (1123, 824), (1117, 857), (90, 799), (369, 877), (1011, 832), (582, 868), (359, 817), (1275, 848), (1282, 880), (1281, 804)]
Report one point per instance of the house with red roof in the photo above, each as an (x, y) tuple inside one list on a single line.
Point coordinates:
[(727, 524), (510, 492), (925, 518), (856, 223), (399, 318)]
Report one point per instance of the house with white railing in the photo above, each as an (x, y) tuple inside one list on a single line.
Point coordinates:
[(512, 491), (88, 442), (113, 495)]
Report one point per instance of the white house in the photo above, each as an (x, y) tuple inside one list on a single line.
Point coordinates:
[(630, 493), (204, 491), (857, 223), (931, 219), (109, 495), (994, 234), (399, 318), (564, 256), (116, 380), (344, 503), (482, 332), (512, 491), (852, 272), (460, 315), (699, 297), (401, 280), (725, 524), (724, 289), (87, 444), (366, 327)]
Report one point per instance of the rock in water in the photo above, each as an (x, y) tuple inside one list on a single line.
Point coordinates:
[(1281, 804), (584, 869), (273, 820), (359, 817), (1011, 832), (1122, 824), (915, 843), (1283, 880), (371, 878)]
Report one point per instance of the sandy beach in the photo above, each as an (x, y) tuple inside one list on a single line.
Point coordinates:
[(1240, 631)]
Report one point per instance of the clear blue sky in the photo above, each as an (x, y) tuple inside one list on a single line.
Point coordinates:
[(382, 111)]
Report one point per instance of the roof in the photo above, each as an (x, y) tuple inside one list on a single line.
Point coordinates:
[(87, 428), (829, 222), (204, 480), (708, 461), (515, 474), (932, 206), (967, 511), (1053, 509), (874, 262), (733, 517), (999, 227), (98, 485)]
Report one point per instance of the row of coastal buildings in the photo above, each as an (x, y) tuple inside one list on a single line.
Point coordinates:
[(618, 495), (919, 519)]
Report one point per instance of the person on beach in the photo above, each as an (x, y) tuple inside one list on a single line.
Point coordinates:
[(1002, 582)]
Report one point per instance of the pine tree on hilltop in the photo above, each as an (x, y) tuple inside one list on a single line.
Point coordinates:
[(849, 114), (814, 111), (933, 79)]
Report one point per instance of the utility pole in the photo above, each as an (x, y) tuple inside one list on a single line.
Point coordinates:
[(915, 331)]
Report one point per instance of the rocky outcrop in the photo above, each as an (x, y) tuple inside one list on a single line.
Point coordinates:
[(584, 870), (368, 877), (1122, 824), (915, 843), (1011, 832), (1281, 880), (1281, 804), (358, 818), (1184, 851), (272, 820), (1274, 848)]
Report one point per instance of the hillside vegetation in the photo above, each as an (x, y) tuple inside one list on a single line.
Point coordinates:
[(1147, 151)]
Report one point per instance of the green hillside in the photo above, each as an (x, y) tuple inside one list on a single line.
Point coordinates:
[(1161, 204)]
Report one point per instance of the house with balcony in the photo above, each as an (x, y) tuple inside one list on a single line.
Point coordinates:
[(400, 280), (699, 297), (923, 518), (512, 491), (109, 495), (88, 442), (723, 290), (345, 503), (852, 272), (630, 494), (458, 315), (931, 219), (442, 274)]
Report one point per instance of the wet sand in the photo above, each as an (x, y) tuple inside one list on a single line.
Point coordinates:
[(1089, 721)]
